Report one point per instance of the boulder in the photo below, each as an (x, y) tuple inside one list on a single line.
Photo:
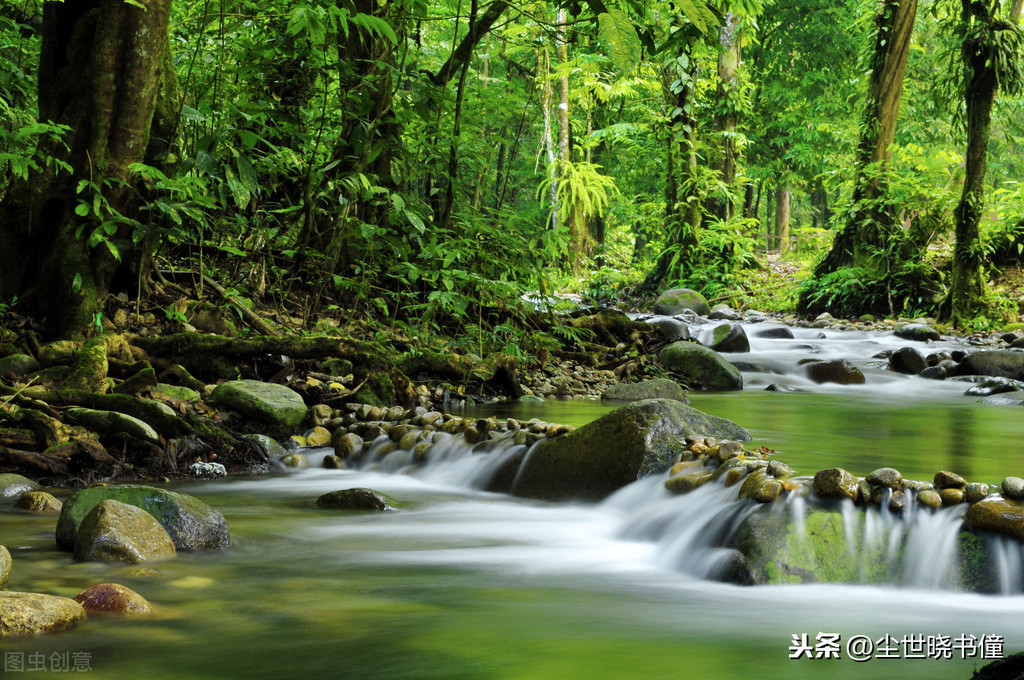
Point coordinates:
[(907, 360), (627, 444), (993, 386), (15, 485), (18, 364), (701, 365), (113, 423), (31, 613), (658, 388), (275, 405), (6, 563), (118, 532), (917, 331), (112, 598), (38, 501), (191, 524), (999, 363), (835, 483), (671, 329), (723, 312), (357, 499), (998, 515), (775, 333), (839, 371), (678, 300), (1013, 488), (165, 391), (729, 338)]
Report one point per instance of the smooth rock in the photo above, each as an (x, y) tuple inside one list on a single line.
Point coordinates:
[(165, 391), (15, 485), (992, 386), (839, 371), (1000, 363), (346, 444), (836, 483), (112, 598), (701, 365), (317, 437), (269, 403), (729, 338), (775, 333), (658, 388), (295, 461), (671, 329), (207, 470), (688, 481), (113, 423), (948, 480), (334, 463), (38, 501), (951, 496), (118, 532), (917, 331), (1013, 487), (1002, 516), (907, 360), (31, 613), (191, 524), (18, 364), (975, 491), (887, 477), (357, 499), (930, 498), (6, 563), (678, 300), (270, 446), (723, 312)]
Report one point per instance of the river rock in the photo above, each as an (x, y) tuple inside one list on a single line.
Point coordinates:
[(887, 477), (729, 338), (38, 501), (177, 392), (975, 491), (627, 444), (658, 388), (1000, 363), (6, 563), (31, 613), (317, 437), (702, 365), (723, 312), (275, 405), (992, 386), (836, 483), (948, 480), (930, 498), (775, 333), (15, 485), (270, 446), (671, 329), (18, 364), (907, 360), (839, 371), (1002, 516), (346, 444), (688, 481), (118, 532), (917, 331), (113, 423), (192, 524), (357, 499), (1013, 487), (112, 598), (678, 300)]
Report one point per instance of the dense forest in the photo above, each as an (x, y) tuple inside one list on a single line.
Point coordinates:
[(428, 166)]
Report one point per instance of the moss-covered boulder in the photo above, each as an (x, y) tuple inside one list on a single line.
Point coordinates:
[(631, 442), (275, 405), (38, 501), (6, 564), (113, 598), (32, 613), (701, 366), (729, 337), (917, 331), (357, 499), (658, 388), (176, 392), (18, 364), (112, 423), (15, 485), (118, 532), (997, 515), (678, 300), (192, 524)]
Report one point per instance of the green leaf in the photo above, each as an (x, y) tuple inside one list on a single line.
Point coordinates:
[(617, 33), (82, 209), (76, 283)]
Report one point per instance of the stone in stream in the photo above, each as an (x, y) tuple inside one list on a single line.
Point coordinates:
[(839, 371), (917, 331), (987, 388), (948, 480), (702, 365), (1013, 487), (678, 300), (836, 483), (6, 563), (887, 477), (15, 485), (907, 360), (930, 498), (997, 515), (671, 329), (32, 613), (729, 338), (600, 457), (192, 524), (999, 363), (38, 501), (357, 499), (113, 598), (118, 532), (775, 333), (275, 405), (658, 388), (723, 312)]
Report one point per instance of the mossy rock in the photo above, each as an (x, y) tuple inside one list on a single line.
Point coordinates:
[(6, 564), (701, 366), (627, 444), (678, 300), (15, 485), (192, 524), (658, 388), (166, 391), (112, 423), (18, 364), (379, 390), (275, 405), (118, 532), (32, 613), (358, 499)]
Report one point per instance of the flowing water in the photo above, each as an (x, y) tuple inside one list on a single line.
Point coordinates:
[(465, 584)]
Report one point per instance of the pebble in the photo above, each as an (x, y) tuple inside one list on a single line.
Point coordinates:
[(1013, 487)]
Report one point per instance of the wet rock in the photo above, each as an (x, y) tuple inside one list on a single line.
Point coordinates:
[(678, 300), (835, 483), (777, 387), (729, 338), (769, 491), (1006, 399), (295, 461), (934, 373), (206, 470), (688, 481), (317, 437), (18, 364), (1002, 516), (15, 485), (191, 524), (320, 414), (275, 405), (775, 333), (270, 446), (777, 468), (723, 312), (112, 423), (907, 360), (1013, 487), (948, 480), (951, 496), (627, 444), (917, 331), (1000, 363), (701, 365), (887, 477), (6, 563), (31, 613), (658, 388), (118, 532), (346, 444), (987, 388), (334, 463), (165, 391), (112, 598), (38, 501), (930, 498), (357, 499), (839, 371), (975, 491)]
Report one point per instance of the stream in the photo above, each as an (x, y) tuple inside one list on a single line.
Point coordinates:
[(466, 584)]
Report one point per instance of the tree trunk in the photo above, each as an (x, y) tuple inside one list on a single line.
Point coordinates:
[(870, 225), (726, 117), (104, 68), (782, 216)]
